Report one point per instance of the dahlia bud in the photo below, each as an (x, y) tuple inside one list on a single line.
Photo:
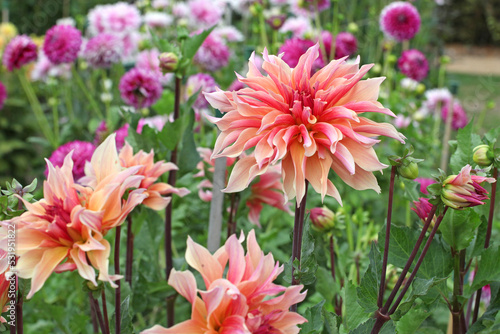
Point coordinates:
[(276, 21), (463, 190), (420, 89), (408, 170), (323, 219), (483, 155), (352, 28), (168, 62)]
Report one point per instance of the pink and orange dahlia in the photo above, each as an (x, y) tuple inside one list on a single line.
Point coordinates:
[(240, 295), (311, 123)]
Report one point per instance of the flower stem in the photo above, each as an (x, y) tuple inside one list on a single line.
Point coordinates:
[(130, 251), (55, 119), (317, 20), (93, 315), (488, 237), (118, 297), (298, 228), (335, 27), (86, 92), (336, 298), (19, 313), (168, 210), (380, 299), (262, 28), (231, 224), (105, 310), (69, 102), (97, 310)]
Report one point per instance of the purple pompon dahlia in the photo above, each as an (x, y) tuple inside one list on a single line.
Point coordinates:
[(103, 50), (82, 152), (400, 20), (213, 53), (3, 95), (20, 51), (200, 82), (140, 88), (345, 45), (413, 64), (293, 49), (62, 44), (459, 119)]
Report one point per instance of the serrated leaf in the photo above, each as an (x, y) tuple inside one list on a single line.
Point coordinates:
[(192, 43), (370, 283), (332, 322), (458, 228), (488, 318), (171, 133), (466, 141), (314, 318), (354, 313), (325, 284), (126, 318), (489, 268), (366, 328), (411, 321)]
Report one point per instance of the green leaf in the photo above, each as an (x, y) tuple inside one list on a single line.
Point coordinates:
[(314, 318), (354, 313), (487, 320), (332, 322), (492, 135), (476, 247), (370, 283), (126, 318), (308, 264), (193, 43), (411, 321), (188, 155), (466, 141), (489, 268), (165, 105), (171, 133), (366, 328), (325, 284), (458, 228)]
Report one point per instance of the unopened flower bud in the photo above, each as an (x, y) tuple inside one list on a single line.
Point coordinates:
[(409, 170), (420, 88), (352, 28), (323, 219), (445, 60), (168, 62), (483, 155), (377, 68)]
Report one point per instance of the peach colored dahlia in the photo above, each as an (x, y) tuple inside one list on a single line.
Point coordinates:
[(65, 230), (240, 297), (311, 123)]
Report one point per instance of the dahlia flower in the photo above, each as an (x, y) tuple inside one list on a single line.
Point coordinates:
[(121, 18), (151, 172), (402, 122), (294, 48), (436, 96), (298, 26), (422, 208), (236, 85), (82, 152), (464, 190), (160, 4), (102, 133), (413, 64), (240, 300), (201, 82), (345, 45), (20, 51), (322, 219), (140, 88), (65, 230), (62, 44), (157, 19), (103, 50), (459, 117), (45, 69), (155, 122), (424, 183), (206, 13), (310, 123), (400, 20), (3, 95), (268, 190), (229, 33), (148, 60), (213, 53)]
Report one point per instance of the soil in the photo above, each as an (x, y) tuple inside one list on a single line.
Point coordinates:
[(473, 59)]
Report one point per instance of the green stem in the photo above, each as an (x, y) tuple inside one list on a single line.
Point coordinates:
[(335, 26), (55, 119), (69, 102), (87, 93), (317, 21), (262, 29), (37, 108)]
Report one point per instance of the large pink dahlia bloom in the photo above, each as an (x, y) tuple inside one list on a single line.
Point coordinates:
[(310, 123), (240, 295)]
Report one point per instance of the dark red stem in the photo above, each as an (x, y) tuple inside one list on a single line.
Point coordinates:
[(93, 315), (231, 224), (19, 313), (105, 310), (97, 310), (118, 297), (380, 299), (130, 251)]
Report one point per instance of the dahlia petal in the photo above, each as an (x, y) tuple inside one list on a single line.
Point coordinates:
[(49, 261), (219, 100), (244, 172), (84, 269), (186, 327), (366, 90), (365, 157), (297, 154), (360, 180), (184, 283), (200, 259), (105, 160), (236, 259), (157, 202)]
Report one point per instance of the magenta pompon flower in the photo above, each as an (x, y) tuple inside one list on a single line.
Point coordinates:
[(201, 82), (20, 51), (213, 54), (62, 44), (413, 64), (464, 190), (103, 50), (140, 88), (294, 48), (424, 183), (422, 208), (82, 152), (459, 117), (345, 45), (400, 20)]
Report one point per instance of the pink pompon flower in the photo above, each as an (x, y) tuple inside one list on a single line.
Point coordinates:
[(213, 54), (400, 20), (102, 133), (424, 183), (310, 123), (44, 69), (65, 230), (120, 18), (3, 95), (294, 48), (298, 26), (206, 13), (242, 299), (62, 44), (459, 117), (20, 51), (345, 45), (151, 172), (82, 152), (155, 122), (464, 190), (268, 190), (200, 82), (413, 64), (140, 88), (148, 60), (103, 50)]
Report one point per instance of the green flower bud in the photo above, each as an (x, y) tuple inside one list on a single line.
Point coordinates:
[(323, 219), (409, 170), (420, 88), (483, 155), (352, 28), (168, 62)]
